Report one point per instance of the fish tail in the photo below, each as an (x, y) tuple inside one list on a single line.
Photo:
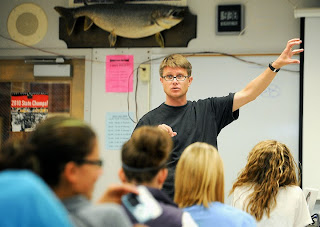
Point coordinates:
[(68, 15)]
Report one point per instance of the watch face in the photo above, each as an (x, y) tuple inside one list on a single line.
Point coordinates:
[(229, 19)]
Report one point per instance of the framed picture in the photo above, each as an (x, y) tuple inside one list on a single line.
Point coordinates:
[(230, 19)]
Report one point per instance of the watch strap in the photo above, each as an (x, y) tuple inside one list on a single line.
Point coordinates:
[(272, 68)]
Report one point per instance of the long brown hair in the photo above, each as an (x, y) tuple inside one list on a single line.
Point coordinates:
[(270, 166)]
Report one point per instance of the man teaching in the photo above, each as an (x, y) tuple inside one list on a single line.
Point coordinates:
[(201, 121)]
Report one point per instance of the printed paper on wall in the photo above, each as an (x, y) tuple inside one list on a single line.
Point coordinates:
[(27, 110)]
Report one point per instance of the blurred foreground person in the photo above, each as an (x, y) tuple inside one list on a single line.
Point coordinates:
[(25, 200), (69, 162)]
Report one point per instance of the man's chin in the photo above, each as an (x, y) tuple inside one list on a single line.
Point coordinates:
[(175, 96)]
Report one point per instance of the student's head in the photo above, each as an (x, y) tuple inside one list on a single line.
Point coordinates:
[(175, 61), (199, 177), (272, 159), (144, 157), (68, 154), (14, 156), (270, 166)]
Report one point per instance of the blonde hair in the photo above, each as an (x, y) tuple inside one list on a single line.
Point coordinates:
[(201, 164), (270, 166), (175, 61)]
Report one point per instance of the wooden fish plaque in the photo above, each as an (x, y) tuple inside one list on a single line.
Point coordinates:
[(94, 36)]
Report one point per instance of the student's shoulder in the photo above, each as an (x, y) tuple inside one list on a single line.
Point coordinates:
[(106, 213), (109, 208), (235, 214), (27, 182), (294, 188), (292, 191)]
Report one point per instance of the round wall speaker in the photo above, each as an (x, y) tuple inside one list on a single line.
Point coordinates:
[(27, 24)]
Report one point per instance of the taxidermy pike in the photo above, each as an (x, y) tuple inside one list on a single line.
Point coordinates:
[(126, 20)]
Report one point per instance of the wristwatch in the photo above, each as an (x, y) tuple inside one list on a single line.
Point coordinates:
[(272, 68)]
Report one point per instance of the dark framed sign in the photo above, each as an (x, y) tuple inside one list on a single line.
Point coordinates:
[(230, 19)]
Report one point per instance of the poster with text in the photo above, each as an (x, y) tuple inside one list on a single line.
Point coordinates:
[(27, 110), (119, 73), (119, 127)]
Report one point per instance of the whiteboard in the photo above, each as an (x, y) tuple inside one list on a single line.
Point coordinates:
[(273, 115)]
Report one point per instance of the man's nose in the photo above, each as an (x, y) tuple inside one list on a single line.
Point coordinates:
[(175, 81)]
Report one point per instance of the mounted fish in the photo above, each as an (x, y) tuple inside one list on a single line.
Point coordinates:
[(126, 20)]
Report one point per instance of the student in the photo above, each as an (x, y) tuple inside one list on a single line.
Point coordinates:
[(267, 188), (144, 159), (25, 200), (68, 154), (199, 188), (188, 122), (14, 156)]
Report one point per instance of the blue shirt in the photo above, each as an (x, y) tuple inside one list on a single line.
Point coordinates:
[(25, 200), (219, 214)]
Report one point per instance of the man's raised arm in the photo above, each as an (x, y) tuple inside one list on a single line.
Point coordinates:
[(260, 83)]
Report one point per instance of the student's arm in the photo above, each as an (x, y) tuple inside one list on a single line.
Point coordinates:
[(114, 193), (260, 83)]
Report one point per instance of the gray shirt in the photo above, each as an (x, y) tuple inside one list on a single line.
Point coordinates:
[(84, 214)]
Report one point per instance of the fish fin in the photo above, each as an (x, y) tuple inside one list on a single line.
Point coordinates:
[(87, 23), (112, 39), (68, 15), (159, 39), (153, 18)]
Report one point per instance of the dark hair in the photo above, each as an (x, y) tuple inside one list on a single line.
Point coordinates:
[(14, 156), (148, 148), (57, 141)]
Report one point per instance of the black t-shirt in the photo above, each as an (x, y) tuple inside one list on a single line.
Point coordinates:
[(197, 121)]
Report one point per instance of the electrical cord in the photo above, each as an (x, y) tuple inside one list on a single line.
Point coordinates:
[(149, 61)]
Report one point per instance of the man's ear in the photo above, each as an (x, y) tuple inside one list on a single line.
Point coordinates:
[(70, 172), (122, 176), (161, 79), (190, 80)]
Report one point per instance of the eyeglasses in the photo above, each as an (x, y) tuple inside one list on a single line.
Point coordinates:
[(90, 162), (178, 77)]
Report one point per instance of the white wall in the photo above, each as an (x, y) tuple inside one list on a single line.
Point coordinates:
[(268, 26)]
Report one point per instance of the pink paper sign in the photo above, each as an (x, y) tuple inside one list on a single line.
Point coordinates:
[(119, 73)]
